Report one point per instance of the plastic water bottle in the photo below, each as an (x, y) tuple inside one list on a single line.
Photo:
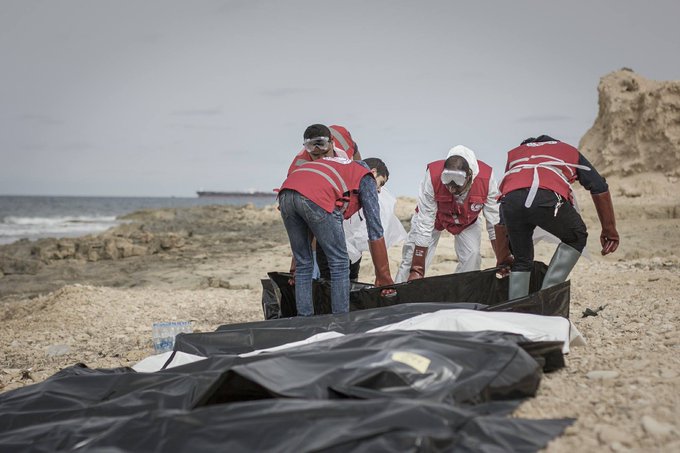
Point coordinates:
[(164, 333)]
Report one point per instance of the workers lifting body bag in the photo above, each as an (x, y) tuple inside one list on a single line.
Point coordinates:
[(536, 191)]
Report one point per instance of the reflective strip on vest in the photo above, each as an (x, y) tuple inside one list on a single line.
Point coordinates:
[(335, 172), (344, 190), (338, 136), (551, 165), (319, 172)]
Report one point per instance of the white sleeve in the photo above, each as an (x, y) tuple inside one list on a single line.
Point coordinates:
[(422, 223), (356, 236), (394, 230), (491, 207)]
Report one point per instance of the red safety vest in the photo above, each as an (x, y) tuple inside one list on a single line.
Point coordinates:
[(550, 164), (343, 139), (330, 182), (451, 215), (303, 157)]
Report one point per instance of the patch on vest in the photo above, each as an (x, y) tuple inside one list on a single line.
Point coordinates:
[(476, 206)]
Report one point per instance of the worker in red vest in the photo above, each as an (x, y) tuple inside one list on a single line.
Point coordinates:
[(536, 191), (453, 193), (343, 146), (314, 199)]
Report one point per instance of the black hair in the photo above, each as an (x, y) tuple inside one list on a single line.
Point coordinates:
[(539, 139), (457, 163), (379, 165), (317, 130)]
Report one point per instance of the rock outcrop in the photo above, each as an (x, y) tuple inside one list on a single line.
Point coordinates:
[(637, 129), (171, 245)]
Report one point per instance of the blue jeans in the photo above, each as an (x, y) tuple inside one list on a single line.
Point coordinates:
[(303, 220)]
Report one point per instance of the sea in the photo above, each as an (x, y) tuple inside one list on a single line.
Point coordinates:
[(34, 217)]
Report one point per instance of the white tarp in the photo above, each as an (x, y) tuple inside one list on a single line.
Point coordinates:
[(313, 339), (155, 362), (533, 327)]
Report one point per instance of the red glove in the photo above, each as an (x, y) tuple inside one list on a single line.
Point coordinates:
[(418, 263), (501, 248), (382, 266)]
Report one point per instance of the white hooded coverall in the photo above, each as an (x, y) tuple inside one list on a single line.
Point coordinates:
[(467, 242)]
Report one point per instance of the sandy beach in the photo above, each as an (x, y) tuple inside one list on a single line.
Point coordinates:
[(93, 300)]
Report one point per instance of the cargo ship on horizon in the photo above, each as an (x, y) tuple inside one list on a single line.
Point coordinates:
[(209, 193)]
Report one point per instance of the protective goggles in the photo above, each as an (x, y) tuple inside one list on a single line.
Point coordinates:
[(455, 177), (316, 142)]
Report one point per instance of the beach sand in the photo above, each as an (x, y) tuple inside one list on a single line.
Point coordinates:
[(93, 301)]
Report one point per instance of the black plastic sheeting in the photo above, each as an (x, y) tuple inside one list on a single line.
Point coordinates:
[(384, 391), (291, 426), (247, 337), (453, 367), (366, 392), (481, 287)]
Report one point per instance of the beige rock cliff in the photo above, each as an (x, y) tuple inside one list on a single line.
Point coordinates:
[(637, 129)]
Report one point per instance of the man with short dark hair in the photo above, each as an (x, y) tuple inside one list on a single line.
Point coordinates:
[(536, 191), (314, 199), (452, 194), (342, 145)]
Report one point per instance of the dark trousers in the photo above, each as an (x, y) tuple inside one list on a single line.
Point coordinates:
[(325, 271), (567, 225)]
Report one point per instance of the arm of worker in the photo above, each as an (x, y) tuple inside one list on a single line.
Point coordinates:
[(599, 191), (492, 207), (368, 196), (591, 180), (422, 223)]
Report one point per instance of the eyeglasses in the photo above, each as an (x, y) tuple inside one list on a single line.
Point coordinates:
[(316, 142), (454, 177)]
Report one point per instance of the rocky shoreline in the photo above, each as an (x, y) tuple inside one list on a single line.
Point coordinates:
[(142, 250)]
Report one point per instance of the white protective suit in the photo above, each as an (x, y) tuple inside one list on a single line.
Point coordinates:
[(468, 241), (356, 235)]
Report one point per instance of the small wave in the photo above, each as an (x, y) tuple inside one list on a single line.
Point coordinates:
[(38, 221), (15, 228)]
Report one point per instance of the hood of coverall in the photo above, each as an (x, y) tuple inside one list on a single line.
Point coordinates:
[(467, 154)]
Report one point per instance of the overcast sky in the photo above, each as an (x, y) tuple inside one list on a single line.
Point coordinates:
[(163, 98)]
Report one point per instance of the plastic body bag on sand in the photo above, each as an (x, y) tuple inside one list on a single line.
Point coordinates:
[(481, 287), (365, 392)]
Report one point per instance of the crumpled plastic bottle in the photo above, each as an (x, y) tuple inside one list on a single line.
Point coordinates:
[(164, 333)]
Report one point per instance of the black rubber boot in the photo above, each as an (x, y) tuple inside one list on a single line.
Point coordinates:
[(518, 286), (561, 264)]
